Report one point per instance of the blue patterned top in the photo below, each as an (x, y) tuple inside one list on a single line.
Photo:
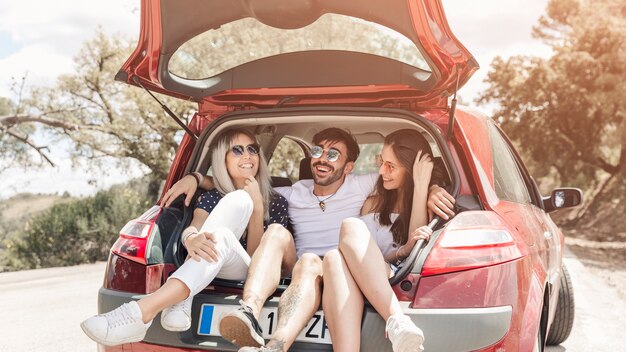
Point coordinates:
[(279, 210)]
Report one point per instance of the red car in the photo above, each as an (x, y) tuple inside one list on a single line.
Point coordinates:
[(490, 279)]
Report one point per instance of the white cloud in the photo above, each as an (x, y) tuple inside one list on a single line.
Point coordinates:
[(28, 60), (48, 38)]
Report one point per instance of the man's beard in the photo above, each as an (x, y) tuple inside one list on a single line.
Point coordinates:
[(332, 177)]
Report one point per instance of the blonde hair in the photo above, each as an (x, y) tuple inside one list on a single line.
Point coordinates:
[(220, 146)]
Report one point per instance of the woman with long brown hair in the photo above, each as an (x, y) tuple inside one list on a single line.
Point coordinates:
[(392, 220)]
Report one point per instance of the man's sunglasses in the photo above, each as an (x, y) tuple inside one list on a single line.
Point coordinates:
[(332, 154), (238, 150)]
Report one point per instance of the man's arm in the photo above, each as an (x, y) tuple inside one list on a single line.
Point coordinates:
[(186, 185), (440, 202)]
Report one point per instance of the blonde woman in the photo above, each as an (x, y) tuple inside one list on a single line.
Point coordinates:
[(241, 202)]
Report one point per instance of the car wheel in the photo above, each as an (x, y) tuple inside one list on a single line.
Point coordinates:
[(564, 316)]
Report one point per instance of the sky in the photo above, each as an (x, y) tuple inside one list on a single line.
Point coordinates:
[(41, 45)]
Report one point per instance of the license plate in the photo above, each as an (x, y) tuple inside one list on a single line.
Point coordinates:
[(315, 331)]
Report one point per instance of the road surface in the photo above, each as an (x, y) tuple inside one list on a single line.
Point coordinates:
[(42, 309)]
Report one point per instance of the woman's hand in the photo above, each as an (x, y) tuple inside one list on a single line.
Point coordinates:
[(440, 202), (422, 168), (252, 187), (202, 245), (422, 233), (186, 185)]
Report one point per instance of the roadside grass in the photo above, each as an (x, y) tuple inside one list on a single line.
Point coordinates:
[(39, 231)]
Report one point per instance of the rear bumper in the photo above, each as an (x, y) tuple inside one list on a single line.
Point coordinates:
[(455, 329)]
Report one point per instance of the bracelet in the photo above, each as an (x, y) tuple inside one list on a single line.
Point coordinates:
[(198, 176), (193, 174), (398, 260), (186, 233)]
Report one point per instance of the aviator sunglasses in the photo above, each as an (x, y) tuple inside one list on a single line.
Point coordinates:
[(332, 154), (238, 150)]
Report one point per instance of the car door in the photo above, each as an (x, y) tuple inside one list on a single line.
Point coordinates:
[(551, 238), (518, 192)]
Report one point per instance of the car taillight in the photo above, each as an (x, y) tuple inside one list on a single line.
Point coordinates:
[(472, 239), (136, 235)]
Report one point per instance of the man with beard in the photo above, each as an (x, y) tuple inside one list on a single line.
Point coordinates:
[(317, 208)]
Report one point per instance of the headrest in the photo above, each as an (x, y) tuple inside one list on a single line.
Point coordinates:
[(305, 169)]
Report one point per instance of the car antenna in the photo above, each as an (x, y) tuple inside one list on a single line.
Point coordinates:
[(167, 110), (453, 108)]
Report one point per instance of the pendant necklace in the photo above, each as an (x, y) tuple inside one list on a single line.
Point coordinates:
[(322, 202)]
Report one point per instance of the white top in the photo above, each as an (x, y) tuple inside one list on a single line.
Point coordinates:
[(381, 233), (317, 231)]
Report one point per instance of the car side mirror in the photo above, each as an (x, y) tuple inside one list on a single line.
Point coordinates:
[(562, 198)]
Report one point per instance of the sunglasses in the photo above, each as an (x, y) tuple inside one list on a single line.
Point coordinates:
[(332, 154), (238, 150), (389, 167)]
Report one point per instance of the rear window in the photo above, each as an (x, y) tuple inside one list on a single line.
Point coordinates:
[(366, 163), (246, 40), (285, 161)]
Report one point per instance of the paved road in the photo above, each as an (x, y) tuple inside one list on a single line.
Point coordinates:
[(42, 309), (600, 309)]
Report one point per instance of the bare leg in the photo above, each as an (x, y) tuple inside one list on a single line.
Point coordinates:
[(276, 250), (173, 291), (227, 222), (368, 267), (343, 303), (299, 302)]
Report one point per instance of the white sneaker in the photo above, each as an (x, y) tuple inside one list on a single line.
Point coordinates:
[(121, 325), (405, 336), (178, 316)]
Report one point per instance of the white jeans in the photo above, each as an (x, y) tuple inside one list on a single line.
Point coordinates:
[(227, 222)]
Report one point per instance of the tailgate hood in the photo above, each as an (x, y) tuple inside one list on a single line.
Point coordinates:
[(164, 62)]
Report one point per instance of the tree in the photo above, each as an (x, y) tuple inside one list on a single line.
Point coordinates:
[(102, 117), (567, 112), (17, 126), (115, 119)]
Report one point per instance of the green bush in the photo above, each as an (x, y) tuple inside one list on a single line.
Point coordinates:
[(76, 232)]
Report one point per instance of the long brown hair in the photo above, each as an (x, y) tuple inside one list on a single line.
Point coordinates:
[(405, 144)]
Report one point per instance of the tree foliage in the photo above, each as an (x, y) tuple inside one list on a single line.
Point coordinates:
[(285, 161), (115, 119), (567, 112), (76, 232), (16, 128), (102, 117)]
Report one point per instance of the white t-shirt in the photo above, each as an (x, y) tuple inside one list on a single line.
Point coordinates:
[(381, 233), (317, 231)]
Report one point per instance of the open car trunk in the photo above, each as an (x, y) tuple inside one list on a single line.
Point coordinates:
[(224, 52), (300, 124)]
